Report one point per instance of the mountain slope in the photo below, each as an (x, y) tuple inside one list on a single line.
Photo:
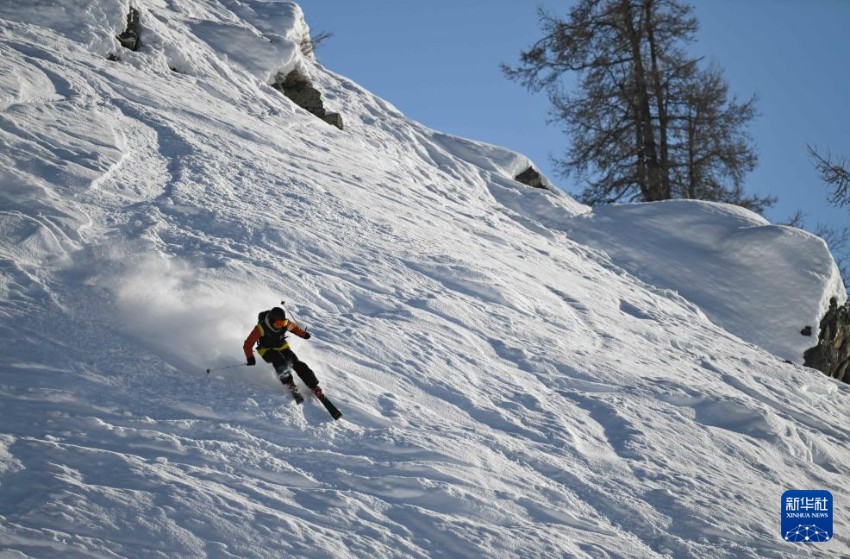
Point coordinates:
[(509, 389)]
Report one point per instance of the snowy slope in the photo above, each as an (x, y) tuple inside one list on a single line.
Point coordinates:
[(512, 385), (761, 282)]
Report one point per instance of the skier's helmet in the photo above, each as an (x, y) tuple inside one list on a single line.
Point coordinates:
[(277, 317)]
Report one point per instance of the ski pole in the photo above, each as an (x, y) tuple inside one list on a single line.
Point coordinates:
[(283, 304), (225, 368)]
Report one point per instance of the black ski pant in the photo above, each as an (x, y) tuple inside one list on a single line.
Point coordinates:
[(284, 359)]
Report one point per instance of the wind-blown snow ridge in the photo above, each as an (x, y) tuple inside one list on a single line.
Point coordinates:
[(514, 382)]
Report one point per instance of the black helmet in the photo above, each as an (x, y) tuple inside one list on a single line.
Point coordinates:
[(276, 314)]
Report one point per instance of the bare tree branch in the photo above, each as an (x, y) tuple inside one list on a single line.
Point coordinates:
[(311, 44), (835, 174)]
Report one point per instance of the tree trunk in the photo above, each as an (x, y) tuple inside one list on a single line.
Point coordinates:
[(652, 190), (660, 98)]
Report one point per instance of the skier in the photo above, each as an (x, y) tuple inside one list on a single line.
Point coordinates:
[(270, 336)]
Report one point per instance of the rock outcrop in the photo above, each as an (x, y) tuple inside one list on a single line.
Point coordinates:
[(131, 38), (298, 88), (832, 354), (531, 178)]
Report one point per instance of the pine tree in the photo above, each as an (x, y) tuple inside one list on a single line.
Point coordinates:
[(645, 122), (713, 153)]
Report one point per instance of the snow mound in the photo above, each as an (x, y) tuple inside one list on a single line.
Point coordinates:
[(761, 282)]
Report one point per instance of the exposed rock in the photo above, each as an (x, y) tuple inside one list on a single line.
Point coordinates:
[(298, 88), (131, 38), (832, 354), (531, 178), (334, 119)]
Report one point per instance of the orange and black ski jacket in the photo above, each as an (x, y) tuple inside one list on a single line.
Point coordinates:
[(268, 338)]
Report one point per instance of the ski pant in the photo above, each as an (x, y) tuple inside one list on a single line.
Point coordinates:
[(284, 359)]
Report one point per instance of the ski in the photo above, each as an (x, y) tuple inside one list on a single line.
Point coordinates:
[(332, 409), (299, 399)]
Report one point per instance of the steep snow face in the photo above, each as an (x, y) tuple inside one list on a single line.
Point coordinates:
[(761, 282), (514, 384)]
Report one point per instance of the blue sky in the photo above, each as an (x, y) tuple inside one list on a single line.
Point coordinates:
[(438, 62)]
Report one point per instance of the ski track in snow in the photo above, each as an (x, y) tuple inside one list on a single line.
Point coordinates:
[(515, 381)]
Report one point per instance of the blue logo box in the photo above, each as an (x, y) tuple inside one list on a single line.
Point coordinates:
[(806, 516)]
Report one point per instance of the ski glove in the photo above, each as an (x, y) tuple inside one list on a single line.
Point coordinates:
[(307, 335), (251, 361)]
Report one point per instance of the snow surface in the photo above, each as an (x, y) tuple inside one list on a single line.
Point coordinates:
[(761, 282), (520, 376)]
